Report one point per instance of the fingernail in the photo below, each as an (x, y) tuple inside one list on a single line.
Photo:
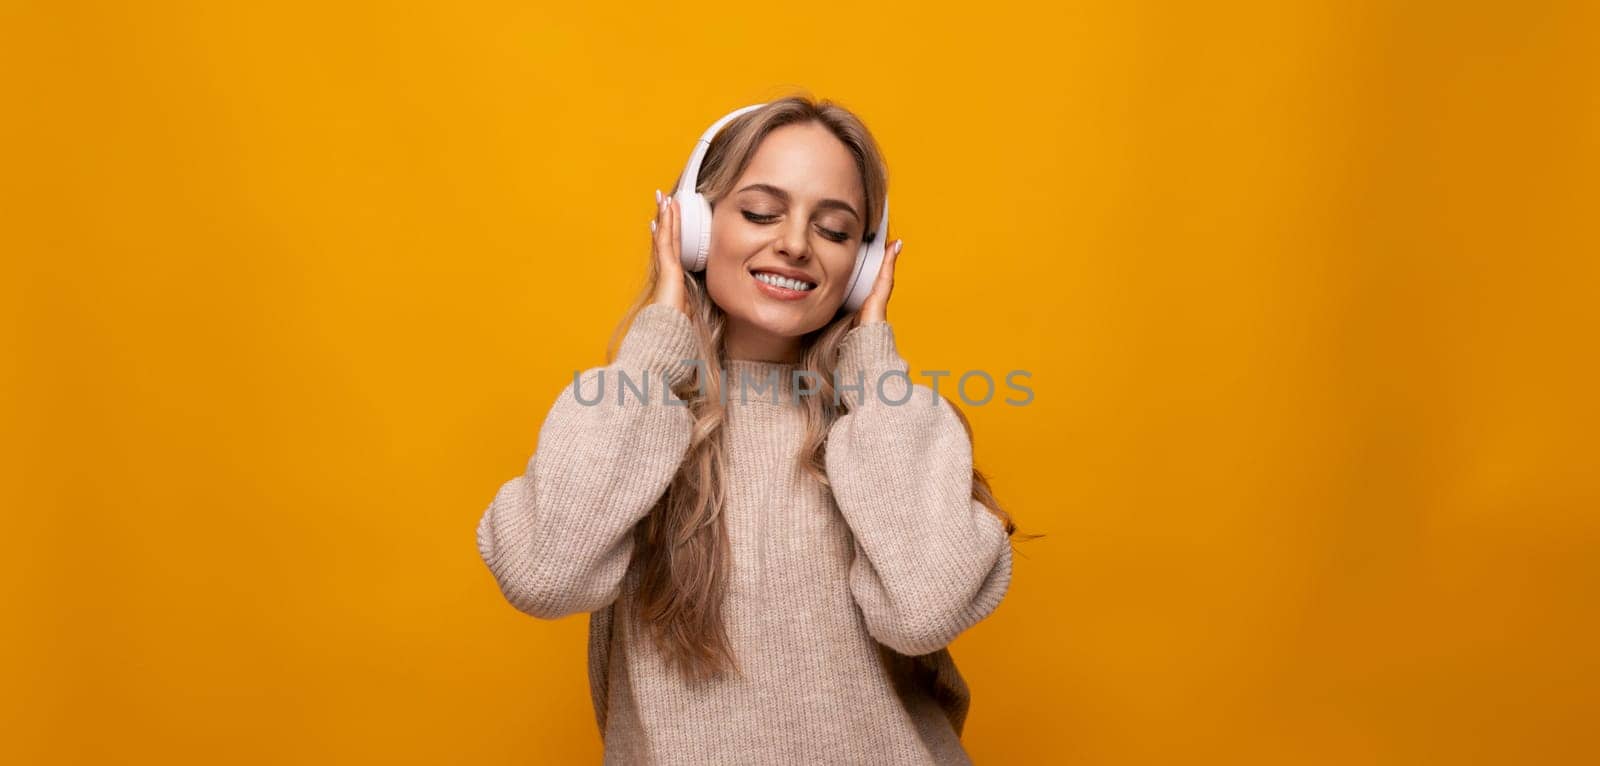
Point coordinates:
[(658, 197), (652, 227), (897, 244)]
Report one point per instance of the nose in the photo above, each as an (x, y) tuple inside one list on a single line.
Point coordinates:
[(794, 241)]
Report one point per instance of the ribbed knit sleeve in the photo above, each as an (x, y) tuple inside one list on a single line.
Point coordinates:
[(558, 538), (930, 561)]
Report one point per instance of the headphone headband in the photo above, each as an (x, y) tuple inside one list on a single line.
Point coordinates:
[(691, 172)]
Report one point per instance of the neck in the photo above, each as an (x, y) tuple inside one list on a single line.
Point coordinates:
[(744, 342)]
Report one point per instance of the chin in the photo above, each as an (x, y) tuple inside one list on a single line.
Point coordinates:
[(784, 321), (780, 320)]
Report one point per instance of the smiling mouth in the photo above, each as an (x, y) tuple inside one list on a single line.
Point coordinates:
[(786, 283)]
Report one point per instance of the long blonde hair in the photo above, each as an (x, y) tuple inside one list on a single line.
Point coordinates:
[(683, 543)]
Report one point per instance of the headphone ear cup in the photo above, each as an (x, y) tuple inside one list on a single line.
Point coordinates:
[(694, 230), (868, 261)]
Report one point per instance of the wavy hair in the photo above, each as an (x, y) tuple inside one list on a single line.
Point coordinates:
[(683, 543)]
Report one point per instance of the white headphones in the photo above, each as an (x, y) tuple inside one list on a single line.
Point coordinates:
[(695, 225)]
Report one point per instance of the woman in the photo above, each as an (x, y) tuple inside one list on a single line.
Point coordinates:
[(769, 579)]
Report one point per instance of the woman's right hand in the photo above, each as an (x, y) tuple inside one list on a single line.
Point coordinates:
[(666, 248)]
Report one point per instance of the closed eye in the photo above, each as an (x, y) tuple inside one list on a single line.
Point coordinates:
[(836, 236)]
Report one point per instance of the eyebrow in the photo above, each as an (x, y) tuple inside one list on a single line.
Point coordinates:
[(783, 195)]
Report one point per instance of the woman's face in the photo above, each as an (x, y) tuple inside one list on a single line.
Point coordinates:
[(796, 213)]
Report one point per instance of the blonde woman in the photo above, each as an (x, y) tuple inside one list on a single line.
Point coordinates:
[(773, 566)]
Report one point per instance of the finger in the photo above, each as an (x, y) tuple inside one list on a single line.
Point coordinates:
[(885, 282), (658, 227), (676, 215), (655, 237)]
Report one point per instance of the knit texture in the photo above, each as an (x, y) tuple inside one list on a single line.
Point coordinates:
[(841, 604)]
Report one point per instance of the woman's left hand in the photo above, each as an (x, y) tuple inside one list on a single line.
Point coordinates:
[(876, 307)]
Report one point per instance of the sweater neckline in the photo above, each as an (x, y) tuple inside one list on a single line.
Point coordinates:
[(757, 378)]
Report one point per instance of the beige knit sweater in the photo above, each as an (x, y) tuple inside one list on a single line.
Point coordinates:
[(841, 603)]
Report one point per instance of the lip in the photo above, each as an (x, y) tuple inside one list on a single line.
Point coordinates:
[(790, 273), (781, 293)]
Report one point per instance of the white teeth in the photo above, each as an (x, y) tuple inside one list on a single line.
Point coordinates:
[(792, 284)]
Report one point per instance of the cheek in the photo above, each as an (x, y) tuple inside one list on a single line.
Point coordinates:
[(734, 233), (730, 249), (840, 263)]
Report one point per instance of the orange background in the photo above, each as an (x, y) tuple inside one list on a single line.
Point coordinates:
[(1308, 291)]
